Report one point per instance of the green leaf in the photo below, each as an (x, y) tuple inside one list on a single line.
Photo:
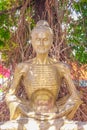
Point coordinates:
[(4, 33)]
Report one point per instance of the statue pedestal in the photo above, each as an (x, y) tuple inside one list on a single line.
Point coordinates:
[(32, 124)]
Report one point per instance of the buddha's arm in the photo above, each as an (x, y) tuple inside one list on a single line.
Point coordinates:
[(11, 99), (73, 102)]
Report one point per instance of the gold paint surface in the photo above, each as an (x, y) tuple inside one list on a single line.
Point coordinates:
[(42, 78)]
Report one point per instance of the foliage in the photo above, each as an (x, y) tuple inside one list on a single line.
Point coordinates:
[(6, 23), (18, 17), (11, 13), (78, 32)]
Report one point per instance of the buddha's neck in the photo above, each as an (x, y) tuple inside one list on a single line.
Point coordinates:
[(42, 58)]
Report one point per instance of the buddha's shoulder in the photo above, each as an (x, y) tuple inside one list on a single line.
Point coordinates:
[(25, 64), (30, 61), (63, 66), (59, 63), (53, 60)]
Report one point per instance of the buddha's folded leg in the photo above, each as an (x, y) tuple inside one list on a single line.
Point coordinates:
[(71, 112), (16, 107), (68, 107)]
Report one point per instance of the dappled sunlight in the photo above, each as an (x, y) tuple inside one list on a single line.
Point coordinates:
[(52, 128), (32, 125), (85, 127)]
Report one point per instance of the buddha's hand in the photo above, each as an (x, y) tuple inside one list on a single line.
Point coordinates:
[(23, 108), (66, 107), (44, 106)]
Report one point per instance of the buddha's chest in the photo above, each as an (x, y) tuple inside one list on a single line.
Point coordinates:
[(42, 76)]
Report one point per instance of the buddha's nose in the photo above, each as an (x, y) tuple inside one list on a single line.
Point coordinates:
[(41, 42)]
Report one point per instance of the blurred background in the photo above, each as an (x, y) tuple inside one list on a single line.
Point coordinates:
[(67, 18)]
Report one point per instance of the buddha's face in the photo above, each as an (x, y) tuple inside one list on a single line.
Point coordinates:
[(42, 41)]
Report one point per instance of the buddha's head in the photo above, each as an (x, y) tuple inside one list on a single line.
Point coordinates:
[(42, 37)]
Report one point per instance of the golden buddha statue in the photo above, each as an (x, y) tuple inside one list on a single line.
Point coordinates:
[(42, 77)]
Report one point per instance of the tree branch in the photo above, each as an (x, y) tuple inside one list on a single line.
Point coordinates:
[(10, 10)]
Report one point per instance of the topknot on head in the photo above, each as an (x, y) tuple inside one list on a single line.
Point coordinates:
[(42, 23)]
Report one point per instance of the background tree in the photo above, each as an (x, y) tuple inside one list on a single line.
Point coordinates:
[(18, 17), (78, 31)]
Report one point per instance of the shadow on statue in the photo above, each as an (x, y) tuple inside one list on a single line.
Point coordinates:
[(42, 77)]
